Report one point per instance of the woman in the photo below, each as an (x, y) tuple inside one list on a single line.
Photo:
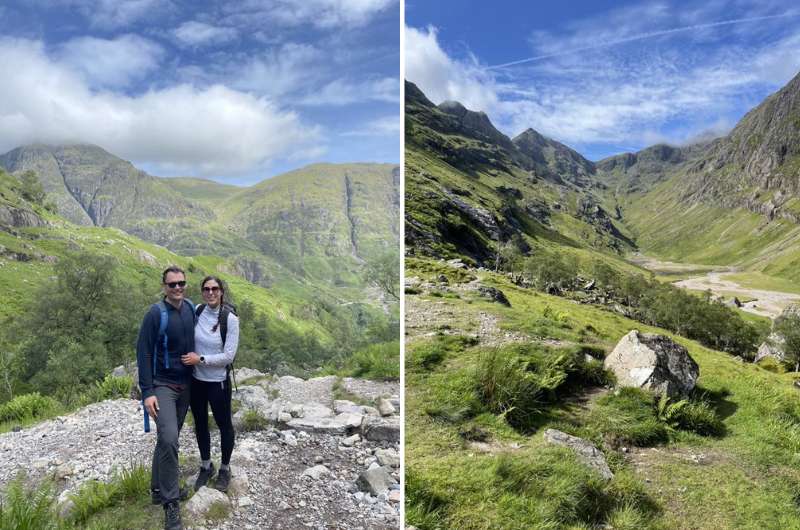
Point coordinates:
[(216, 336)]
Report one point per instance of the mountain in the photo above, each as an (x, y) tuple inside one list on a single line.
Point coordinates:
[(319, 223), (732, 201), (93, 187), (554, 160), (471, 190)]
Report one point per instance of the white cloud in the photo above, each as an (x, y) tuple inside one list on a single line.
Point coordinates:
[(384, 126), (343, 92), (199, 34), (281, 70), (111, 63), (441, 77), (324, 14), (181, 129)]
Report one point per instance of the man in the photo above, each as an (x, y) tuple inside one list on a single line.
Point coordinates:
[(164, 382)]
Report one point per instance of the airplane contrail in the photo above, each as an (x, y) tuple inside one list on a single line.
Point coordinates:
[(640, 37)]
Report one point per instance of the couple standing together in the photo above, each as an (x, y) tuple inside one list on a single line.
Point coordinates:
[(184, 354)]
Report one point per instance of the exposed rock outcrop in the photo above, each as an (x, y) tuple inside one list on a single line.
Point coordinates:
[(585, 451)]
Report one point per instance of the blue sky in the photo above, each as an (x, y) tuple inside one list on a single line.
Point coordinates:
[(234, 91), (605, 77)]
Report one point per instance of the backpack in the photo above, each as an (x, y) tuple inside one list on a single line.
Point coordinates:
[(225, 310)]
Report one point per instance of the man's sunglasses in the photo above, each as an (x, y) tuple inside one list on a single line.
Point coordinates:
[(173, 285), (213, 289)]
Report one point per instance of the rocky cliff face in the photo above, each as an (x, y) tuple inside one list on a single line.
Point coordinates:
[(757, 166), (553, 160), (93, 187)]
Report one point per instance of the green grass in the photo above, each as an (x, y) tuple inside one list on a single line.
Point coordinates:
[(744, 419), (253, 420)]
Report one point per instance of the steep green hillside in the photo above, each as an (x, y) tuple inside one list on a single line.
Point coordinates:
[(322, 221), (205, 192), (472, 191), (733, 201), (318, 224)]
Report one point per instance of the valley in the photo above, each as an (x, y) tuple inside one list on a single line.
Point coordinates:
[(528, 269)]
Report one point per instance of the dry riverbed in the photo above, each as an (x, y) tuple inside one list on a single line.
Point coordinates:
[(760, 302)]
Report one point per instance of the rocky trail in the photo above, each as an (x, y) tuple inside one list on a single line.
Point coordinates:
[(315, 462)]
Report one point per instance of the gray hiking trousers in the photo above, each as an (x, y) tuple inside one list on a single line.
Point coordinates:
[(172, 408)]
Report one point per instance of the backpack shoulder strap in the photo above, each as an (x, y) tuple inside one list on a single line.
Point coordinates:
[(223, 322), (162, 334), (198, 310)]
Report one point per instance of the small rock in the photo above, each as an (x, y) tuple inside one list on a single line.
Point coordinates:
[(316, 472), (385, 407), (375, 481), (203, 500), (586, 452), (388, 457), (245, 502), (350, 441)]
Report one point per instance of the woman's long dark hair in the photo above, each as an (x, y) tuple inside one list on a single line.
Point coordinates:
[(221, 297)]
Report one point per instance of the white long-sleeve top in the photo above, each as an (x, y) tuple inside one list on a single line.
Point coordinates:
[(209, 345)]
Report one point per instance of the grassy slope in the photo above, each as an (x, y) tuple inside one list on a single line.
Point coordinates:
[(299, 219), (202, 191), (427, 176), (749, 477), (705, 234), (44, 245)]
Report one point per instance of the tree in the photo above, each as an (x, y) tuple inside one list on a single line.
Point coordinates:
[(78, 326), (788, 327), (31, 188), (384, 272)]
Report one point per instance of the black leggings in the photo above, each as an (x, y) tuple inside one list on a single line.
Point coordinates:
[(218, 395)]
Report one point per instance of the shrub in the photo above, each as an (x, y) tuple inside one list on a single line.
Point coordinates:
[(771, 364), (698, 417), (28, 407), (253, 420), (378, 361), (111, 387)]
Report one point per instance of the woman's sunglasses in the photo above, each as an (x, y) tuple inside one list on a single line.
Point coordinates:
[(213, 289)]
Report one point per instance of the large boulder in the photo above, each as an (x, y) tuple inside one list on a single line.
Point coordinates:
[(653, 362)]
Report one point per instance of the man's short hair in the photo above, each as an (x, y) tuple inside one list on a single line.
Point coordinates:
[(171, 268)]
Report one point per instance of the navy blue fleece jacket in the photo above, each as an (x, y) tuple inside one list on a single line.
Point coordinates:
[(180, 340)]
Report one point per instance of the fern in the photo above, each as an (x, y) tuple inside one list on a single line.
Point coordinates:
[(669, 413)]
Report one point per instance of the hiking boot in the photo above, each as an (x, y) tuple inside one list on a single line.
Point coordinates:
[(155, 495), (172, 516), (223, 480), (204, 476)]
